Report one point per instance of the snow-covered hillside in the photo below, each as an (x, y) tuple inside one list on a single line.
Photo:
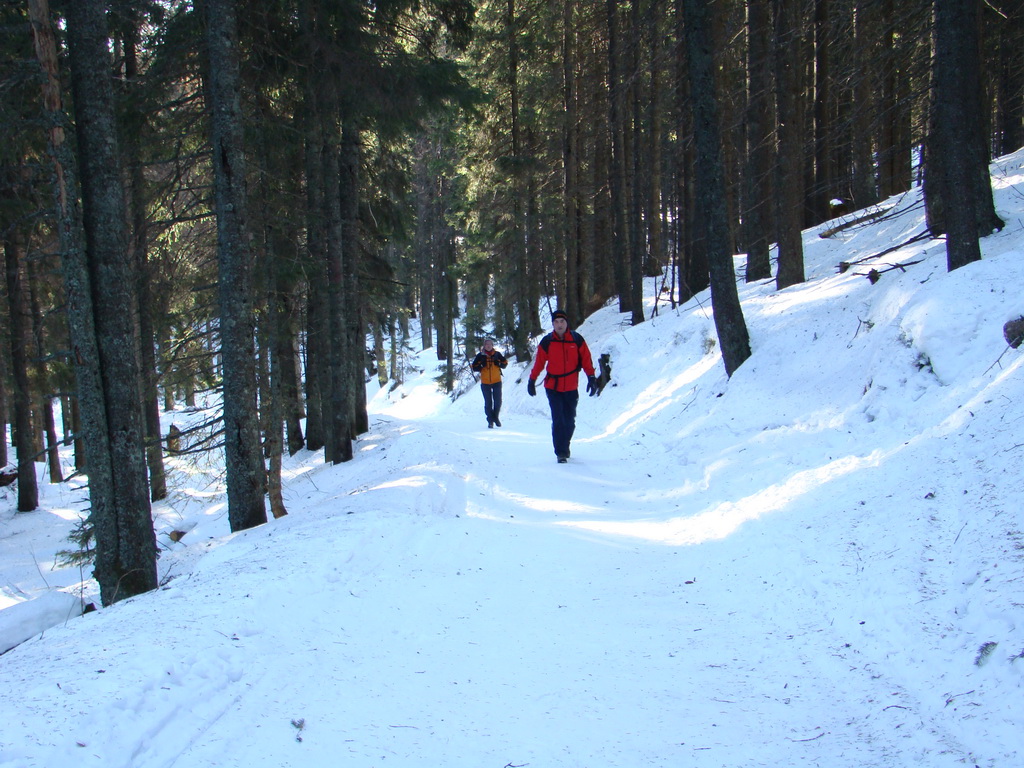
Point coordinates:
[(817, 562)]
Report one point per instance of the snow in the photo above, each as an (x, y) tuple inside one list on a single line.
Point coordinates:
[(817, 562)]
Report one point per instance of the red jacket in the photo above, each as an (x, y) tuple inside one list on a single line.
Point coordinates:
[(563, 357)]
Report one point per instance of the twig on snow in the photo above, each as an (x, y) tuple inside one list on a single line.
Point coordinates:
[(958, 533), (998, 359), (950, 698), (876, 274), (845, 265), (803, 741)]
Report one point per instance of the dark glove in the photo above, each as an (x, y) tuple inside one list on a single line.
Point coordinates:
[(531, 388), (592, 386)]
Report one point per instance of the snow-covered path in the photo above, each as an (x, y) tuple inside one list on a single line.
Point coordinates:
[(451, 611), (816, 563), (502, 634)]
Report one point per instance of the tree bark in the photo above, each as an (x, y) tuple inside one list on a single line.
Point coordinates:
[(894, 150), (757, 172), (14, 255), (125, 542), (1010, 106), (956, 69), (317, 329), (43, 385), (75, 270), (694, 270), (520, 256), (654, 204), (337, 422), (290, 372), (636, 239), (617, 171), (789, 157), (863, 186), (822, 191), (246, 473), (574, 299), (355, 335), (140, 251), (729, 321), (273, 396), (3, 410)]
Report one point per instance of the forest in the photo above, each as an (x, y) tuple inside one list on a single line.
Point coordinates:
[(254, 198)]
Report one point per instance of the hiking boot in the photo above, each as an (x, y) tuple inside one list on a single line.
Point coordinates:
[(497, 423), (563, 459), (490, 425)]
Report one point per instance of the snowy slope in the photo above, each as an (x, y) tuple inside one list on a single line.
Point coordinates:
[(815, 563)]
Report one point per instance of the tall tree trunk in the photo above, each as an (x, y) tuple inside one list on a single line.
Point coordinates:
[(76, 430), (337, 422), (617, 171), (164, 346), (636, 186), (1011, 78), (14, 256), (351, 149), (956, 80), (822, 191), (757, 186), (729, 321), (290, 375), (695, 269), (534, 243), (379, 353), (446, 296), (275, 252), (605, 246), (574, 300), (42, 385), (3, 411), (894, 150), (125, 541), (245, 470), (863, 187), (317, 371), (520, 256), (140, 252), (789, 156), (69, 232), (274, 405), (317, 327), (655, 206), (423, 187)]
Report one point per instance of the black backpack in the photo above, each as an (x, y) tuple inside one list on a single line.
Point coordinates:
[(578, 341)]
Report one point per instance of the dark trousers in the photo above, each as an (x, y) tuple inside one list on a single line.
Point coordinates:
[(492, 401), (563, 418)]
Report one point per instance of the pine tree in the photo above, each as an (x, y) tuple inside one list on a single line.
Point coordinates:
[(246, 476), (125, 542)]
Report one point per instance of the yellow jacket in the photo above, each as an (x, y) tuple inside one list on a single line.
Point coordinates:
[(489, 366)]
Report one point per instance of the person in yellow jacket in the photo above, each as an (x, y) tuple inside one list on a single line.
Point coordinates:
[(489, 364)]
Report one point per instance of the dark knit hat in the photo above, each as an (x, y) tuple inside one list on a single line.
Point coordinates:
[(559, 314)]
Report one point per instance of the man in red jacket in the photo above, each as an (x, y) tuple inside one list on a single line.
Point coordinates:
[(562, 354)]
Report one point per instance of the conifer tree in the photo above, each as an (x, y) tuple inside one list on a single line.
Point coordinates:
[(125, 542), (246, 476)]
